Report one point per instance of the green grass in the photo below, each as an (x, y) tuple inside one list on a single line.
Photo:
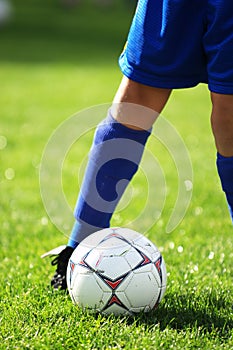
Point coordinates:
[(54, 63)]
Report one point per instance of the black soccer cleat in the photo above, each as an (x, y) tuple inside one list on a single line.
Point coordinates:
[(62, 255)]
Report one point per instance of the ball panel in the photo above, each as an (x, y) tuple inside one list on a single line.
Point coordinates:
[(148, 248), (113, 267), (90, 291), (86, 291), (141, 289), (133, 257), (112, 241), (79, 253)]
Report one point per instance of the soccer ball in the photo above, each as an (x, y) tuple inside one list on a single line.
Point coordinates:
[(116, 270)]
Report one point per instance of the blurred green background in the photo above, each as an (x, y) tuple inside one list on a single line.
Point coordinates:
[(51, 32), (55, 60)]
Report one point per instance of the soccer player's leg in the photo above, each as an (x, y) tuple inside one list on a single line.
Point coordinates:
[(115, 154), (138, 105), (218, 46), (222, 126)]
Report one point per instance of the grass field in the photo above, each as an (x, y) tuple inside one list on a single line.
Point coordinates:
[(54, 63)]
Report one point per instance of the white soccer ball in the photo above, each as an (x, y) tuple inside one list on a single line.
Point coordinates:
[(117, 270)]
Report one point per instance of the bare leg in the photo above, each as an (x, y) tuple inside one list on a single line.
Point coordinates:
[(137, 105), (222, 123), (222, 126)]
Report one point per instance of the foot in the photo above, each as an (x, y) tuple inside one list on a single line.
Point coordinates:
[(62, 255)]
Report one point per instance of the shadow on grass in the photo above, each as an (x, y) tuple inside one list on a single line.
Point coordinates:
[(212, 315), (49, 33)]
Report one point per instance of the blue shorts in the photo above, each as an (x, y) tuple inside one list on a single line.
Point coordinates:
[(180, 43)]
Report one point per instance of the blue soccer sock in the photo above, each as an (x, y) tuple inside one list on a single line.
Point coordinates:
[(225, 171), (113, 160)]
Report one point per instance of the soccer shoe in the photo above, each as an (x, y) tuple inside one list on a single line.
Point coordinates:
[(62, 255)]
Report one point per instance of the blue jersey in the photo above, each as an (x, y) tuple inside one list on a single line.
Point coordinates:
[(180, 43)]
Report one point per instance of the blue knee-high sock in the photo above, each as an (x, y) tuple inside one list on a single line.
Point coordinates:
[(225, 171), (113, 160)]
